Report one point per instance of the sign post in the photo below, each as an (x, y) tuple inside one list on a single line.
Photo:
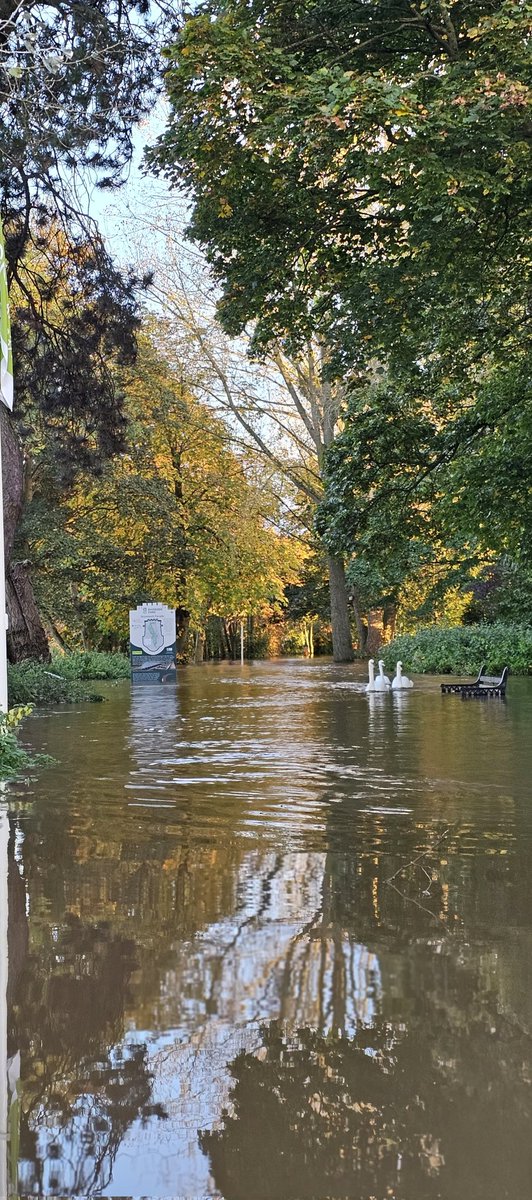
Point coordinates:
[(6, 397), (152, 644)]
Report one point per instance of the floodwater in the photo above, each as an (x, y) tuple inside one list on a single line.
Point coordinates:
[(270, 938)]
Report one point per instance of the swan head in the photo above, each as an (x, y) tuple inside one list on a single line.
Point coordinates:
[(399, 664), (381, 663)]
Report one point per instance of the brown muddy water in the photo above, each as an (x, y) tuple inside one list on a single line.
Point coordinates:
[(271, 939)]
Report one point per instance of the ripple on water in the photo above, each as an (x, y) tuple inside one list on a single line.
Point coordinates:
[(262, 901)]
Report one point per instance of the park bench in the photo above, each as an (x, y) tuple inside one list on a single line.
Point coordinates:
[(483, 685)]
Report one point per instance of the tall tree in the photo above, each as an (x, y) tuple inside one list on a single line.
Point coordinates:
[(353, 167), (74, 79), (174, 515), (283, 409), (408, 488), (359, 174), (68, 415)]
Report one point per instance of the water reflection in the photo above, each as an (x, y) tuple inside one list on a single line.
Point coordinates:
[(13, 948), (279, 944)]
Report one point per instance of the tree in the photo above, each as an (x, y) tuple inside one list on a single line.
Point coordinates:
[(358, 174), (283, 410), (407, 489), (173, 515), (73, 81), (354, 168), (68, 415)]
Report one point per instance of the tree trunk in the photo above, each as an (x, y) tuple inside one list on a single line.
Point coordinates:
[(199, 646), (25, 636), (341, 630), (182, 627), (308, 633), (389, 619), (226, 641), (374, 639), (362, 630)]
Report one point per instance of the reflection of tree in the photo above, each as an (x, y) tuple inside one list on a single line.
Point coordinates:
[(68, 1012), (313, 1115), (17, 929), (380, 1115), (291, 920)]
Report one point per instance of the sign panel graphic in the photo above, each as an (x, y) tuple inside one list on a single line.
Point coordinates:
[(152, 644)]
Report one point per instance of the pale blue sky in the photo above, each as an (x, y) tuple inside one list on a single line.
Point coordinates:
[(115, 211)]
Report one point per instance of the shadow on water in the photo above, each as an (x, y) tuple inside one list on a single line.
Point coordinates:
[(270, 938)]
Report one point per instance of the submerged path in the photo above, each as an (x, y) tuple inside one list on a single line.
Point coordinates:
[(271, 939)]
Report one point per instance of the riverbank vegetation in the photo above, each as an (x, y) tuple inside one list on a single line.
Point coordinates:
[(306, 416), (66, 679), (463, 650), (14, 758)]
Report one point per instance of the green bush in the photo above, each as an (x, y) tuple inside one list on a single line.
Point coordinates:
[(64, 680), (32, 682), (463, 649), (91, 664), (13, 757)]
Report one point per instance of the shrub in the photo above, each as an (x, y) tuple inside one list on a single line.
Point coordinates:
[(463, 649), (91, 664), (13, 757), (32, 682), (64, 681)]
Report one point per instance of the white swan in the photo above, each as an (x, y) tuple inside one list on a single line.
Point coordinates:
[(382, 683), (370, 687), (399, 680)]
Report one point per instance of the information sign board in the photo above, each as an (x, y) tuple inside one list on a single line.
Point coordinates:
[(152, 644)]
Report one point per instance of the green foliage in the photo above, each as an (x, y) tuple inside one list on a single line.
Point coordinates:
[(421, 488), (64, 682), (13, 757), (174, 518), (378, 197), (11, 720), (72, 86), (502, 591), (309, 597), (463, 650), (74, 81), (418, 464), (91, 664), (32, 682), (433, 599), (377, 192)]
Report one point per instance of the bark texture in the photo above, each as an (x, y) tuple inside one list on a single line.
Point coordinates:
[(374, 639), (25, 635), (341, 629)]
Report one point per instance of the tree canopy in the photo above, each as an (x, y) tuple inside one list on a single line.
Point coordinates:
[(354, 167), (74, 80), (175, 515), (358, 173)]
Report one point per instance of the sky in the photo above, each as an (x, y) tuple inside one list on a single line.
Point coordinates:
[(119, 211)]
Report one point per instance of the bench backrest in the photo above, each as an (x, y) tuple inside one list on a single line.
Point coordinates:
[(493, 680)]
